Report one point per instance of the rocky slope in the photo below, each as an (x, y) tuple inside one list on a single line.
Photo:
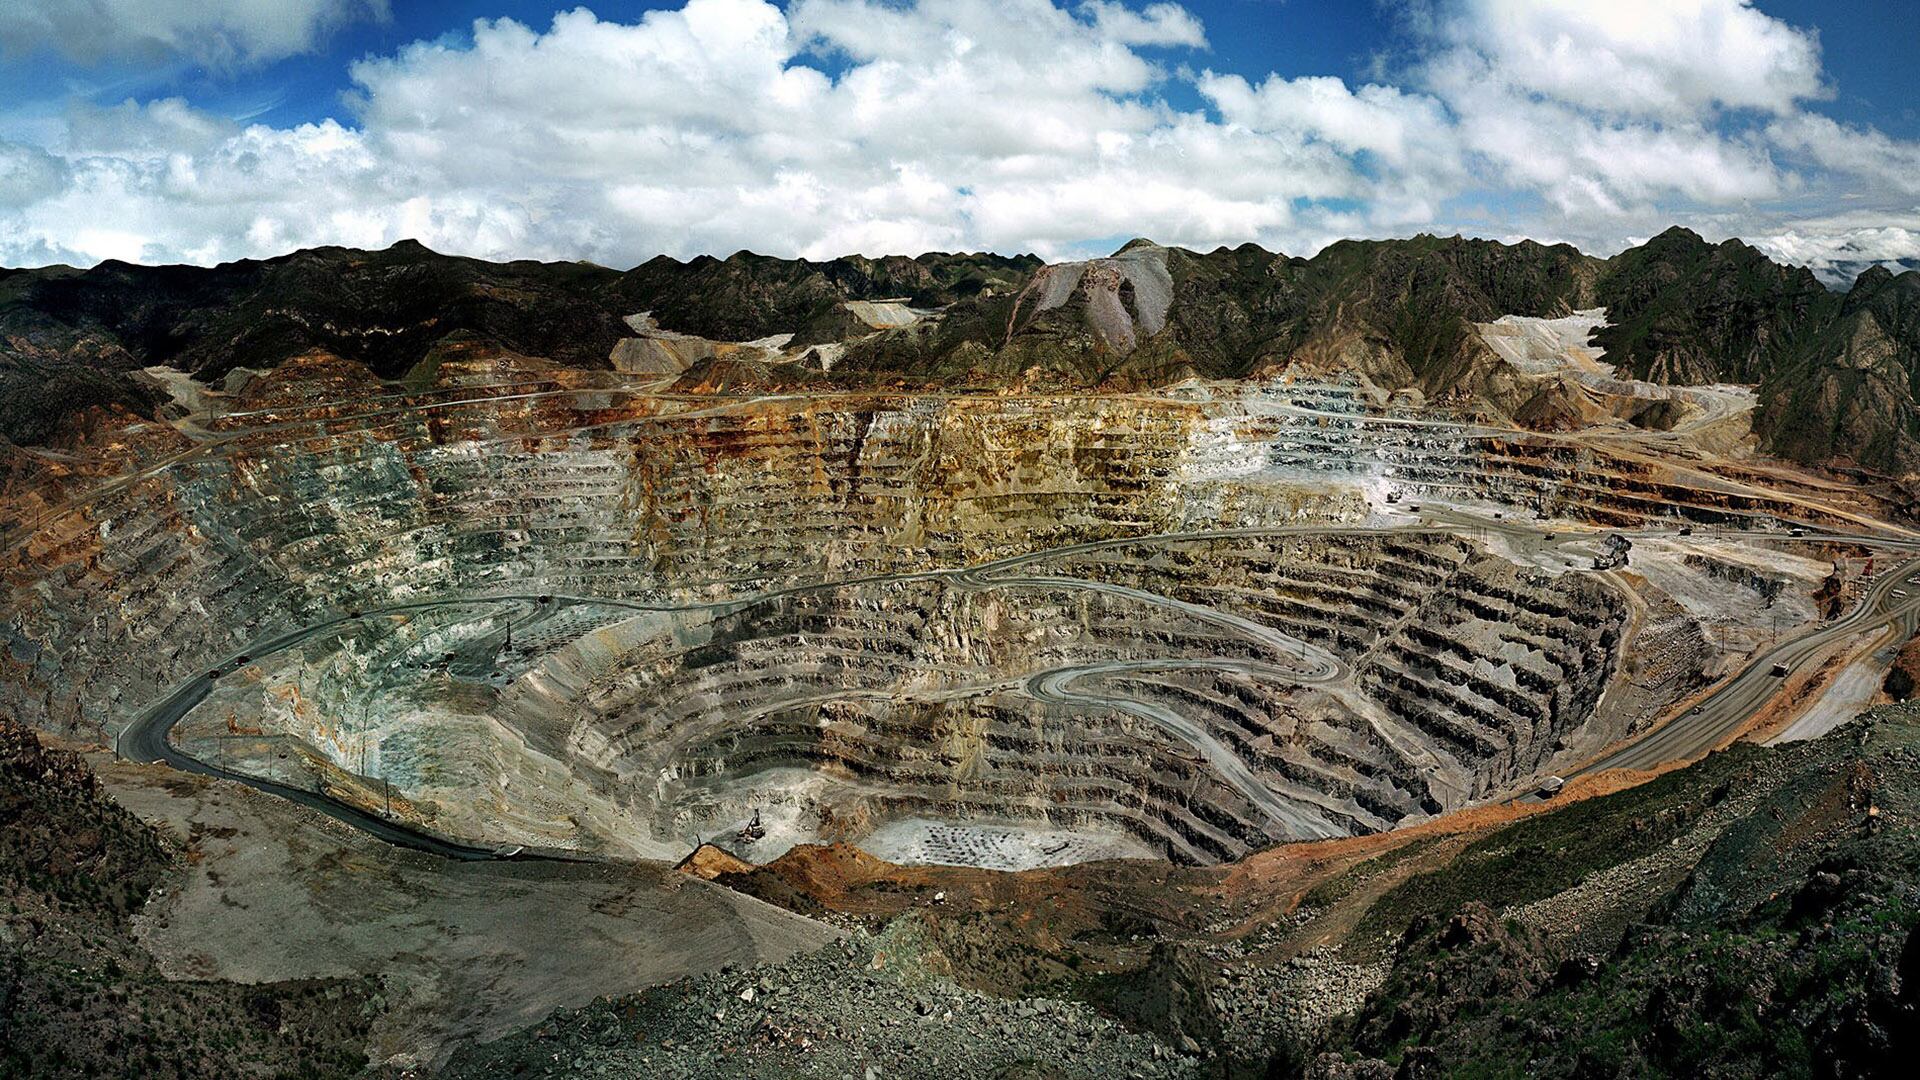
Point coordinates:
[(877, 1005), (1849, 391), (1757, 913), (1400, 312), (80, 997), (1791, 947), (1685, 311), (71, 339), (747, 296), (1836, 368)]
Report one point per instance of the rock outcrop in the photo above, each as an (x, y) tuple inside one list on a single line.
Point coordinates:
[(1836, 374)]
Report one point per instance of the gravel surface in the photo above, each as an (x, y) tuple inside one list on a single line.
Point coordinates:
[(867, 1007)]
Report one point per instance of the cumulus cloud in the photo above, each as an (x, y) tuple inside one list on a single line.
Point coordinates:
[(1013, 124), (28, 174), (1593, 163), (1862, 153), (1838, 246), (1158, 24), (214, 32), (1609, 109), (1669, 59), (875, 126)]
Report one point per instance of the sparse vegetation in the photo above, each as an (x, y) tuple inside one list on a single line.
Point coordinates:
[(79, 997)]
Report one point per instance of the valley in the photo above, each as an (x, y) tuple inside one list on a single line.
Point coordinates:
[(1093, 687), (853, 611)]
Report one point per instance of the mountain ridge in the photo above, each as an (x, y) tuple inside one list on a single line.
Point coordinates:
[(1399, 312)]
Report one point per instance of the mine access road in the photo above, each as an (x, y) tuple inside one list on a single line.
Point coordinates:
[(1708, 725), (1714, 720)]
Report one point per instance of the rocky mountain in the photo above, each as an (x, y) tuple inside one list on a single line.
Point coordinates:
[(1848, 392), (71, 338), (1400, 312), (1835, 369), (1685, 311), (748, 296)]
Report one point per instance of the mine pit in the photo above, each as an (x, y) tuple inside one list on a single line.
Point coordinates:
[(953, 631), (1430, 656)]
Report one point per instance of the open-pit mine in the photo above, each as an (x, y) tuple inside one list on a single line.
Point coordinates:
[(738, 593)]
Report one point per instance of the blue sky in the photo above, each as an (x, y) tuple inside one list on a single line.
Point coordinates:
[(243, 127), (1297, 37), (1869, 47)]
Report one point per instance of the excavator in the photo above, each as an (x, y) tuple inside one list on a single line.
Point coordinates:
[(752, 830)]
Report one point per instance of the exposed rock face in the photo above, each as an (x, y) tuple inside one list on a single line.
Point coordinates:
[(1204, 696), (896, 694), (1685, 311), (1403, 314), (1849, 394), (1124, 298), (630, 608)]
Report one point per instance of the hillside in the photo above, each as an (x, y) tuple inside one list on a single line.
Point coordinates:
[(1753, 914), (1849, 391), (80, 997), (1835, 370)]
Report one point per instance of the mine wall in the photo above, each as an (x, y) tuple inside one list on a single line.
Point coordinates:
[(1469, 670)]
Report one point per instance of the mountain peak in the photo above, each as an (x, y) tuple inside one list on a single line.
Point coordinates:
[(1872, 278), (1679, 233)]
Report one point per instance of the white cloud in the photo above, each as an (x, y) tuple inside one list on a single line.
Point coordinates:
[(1399, 129), (1839, 245), (133, 130), (1671, 59), (1007, 124), (1157, 24), (28, 174), (1586, 162), (1860, 152), (215, 32), (1012, 124), (1609, 111)]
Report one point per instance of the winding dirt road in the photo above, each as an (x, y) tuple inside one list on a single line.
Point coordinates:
[(1685, 736)]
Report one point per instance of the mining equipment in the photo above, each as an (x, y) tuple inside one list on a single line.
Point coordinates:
[(752, 830)]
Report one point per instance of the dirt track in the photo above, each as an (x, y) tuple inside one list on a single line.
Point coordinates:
[(465, 949)]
